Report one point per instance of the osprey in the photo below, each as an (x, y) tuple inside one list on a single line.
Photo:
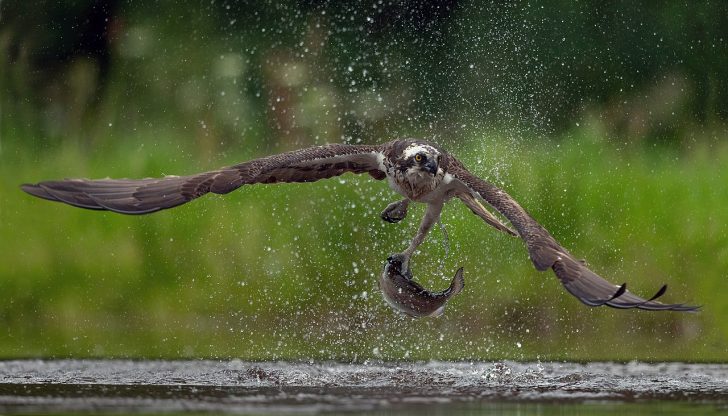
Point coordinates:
[(418, 170)]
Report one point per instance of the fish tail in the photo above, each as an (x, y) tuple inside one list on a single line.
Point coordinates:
[(457, 284)]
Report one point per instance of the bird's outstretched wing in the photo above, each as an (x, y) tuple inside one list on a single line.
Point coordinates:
[(546, 252), (144, 196)]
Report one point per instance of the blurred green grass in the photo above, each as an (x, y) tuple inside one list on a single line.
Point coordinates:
[(289, 271)]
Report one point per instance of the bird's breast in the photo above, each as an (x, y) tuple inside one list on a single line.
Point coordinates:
[(415, 186)]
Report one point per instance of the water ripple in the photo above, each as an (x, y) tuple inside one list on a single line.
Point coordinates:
[(242, 387)]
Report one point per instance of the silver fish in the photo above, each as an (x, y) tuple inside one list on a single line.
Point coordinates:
[(407, 296)]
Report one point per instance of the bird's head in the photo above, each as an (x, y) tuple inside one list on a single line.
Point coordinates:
[(420, 158)]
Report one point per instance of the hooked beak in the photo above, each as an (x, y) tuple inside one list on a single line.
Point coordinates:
[(430, 166)]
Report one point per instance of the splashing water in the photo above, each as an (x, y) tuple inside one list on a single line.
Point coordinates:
[(264, 387)]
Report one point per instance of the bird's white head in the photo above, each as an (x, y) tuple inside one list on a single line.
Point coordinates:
[(420, 158)]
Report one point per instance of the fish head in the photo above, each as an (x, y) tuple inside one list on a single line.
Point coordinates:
[(397, 266)]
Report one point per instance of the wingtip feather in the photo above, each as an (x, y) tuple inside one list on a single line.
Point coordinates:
[(37, 191)]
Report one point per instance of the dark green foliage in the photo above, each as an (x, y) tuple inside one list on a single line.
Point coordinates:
[(267, 272)]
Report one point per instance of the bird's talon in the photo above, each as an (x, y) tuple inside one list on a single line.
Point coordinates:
[(395, 212), (390, 220)]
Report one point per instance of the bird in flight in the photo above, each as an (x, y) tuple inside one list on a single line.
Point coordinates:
[(419, 171)]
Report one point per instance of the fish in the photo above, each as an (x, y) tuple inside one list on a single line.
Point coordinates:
[(409, 297)]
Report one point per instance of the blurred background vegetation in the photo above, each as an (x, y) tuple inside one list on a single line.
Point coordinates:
[(608, 123)]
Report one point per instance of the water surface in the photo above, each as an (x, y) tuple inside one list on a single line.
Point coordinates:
[(122, 386)]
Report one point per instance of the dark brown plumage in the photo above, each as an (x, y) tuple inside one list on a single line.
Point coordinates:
[(421, 171), (144, 196), (546, 253)]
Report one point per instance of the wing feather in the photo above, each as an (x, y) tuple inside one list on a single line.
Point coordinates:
[(144, 196), (545, 252)]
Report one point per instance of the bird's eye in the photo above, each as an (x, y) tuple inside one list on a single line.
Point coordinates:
[(418, 157)]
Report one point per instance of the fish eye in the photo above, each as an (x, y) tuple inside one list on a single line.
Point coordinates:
[(419, 157)]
